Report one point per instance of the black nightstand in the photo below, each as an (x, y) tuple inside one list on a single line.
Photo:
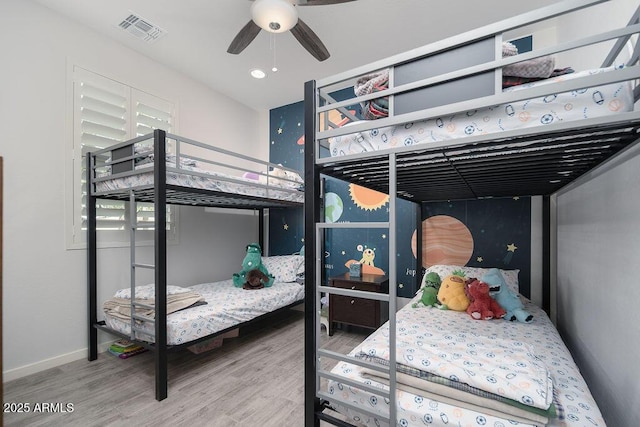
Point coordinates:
[(362, 312)]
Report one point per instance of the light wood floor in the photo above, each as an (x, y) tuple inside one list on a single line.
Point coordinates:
[(256, 379)]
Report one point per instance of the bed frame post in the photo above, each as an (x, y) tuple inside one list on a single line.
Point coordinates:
[(311, 217), (261, 230), (92, 277), (419, 266), (546, 254), (160, 237)]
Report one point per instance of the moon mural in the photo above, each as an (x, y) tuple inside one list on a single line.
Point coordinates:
[(445, 240)]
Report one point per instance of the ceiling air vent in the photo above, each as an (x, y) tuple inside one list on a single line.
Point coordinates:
[(141, 28)]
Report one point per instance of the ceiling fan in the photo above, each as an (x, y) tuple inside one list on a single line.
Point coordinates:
[(278, 16)]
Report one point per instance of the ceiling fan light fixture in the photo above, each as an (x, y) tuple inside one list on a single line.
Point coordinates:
[(275, 16)]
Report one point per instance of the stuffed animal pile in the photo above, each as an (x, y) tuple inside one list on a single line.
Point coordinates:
[(253, 271), (483, 299)]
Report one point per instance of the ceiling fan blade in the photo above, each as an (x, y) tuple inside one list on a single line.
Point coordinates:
[(320, 2), (244, 37), (309, 40)]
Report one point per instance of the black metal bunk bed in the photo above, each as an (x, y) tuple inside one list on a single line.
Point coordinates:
[(119, 162), (537, 161)]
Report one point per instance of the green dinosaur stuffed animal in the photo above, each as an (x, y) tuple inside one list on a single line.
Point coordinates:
[(429, 291), (252, 261)]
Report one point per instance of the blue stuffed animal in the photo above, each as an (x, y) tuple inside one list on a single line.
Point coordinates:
[(505, 297), (252, 261)]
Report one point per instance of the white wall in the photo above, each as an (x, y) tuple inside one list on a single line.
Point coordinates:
[(44, 289), (598, 264)]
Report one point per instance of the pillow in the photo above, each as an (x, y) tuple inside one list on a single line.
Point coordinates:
[(149, 291), (510, 276), (284, 268)]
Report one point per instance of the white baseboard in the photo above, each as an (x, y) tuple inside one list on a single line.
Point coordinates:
[(33, 368)]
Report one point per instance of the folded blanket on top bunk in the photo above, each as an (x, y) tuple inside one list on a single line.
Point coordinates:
[(586, 103)]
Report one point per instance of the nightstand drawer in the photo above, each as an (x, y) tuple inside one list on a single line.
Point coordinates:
[(355, 311)]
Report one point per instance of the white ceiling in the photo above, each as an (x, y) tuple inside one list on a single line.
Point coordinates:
[(355, 33)]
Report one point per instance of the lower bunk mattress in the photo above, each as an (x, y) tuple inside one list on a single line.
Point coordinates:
[(454, 370), (599, 101), (201, 310)]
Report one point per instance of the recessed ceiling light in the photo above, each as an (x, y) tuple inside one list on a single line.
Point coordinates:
[(258, 74)]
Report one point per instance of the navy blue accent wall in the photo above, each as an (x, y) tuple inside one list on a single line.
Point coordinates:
[(286, 226)]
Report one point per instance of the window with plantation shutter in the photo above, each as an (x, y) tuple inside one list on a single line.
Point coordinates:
[(106, 112)]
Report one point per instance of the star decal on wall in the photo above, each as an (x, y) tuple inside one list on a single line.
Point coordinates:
[(512, 247)]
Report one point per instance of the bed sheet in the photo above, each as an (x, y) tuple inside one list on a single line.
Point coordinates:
[(226, 306), (245, 186), (562, 107), (575, 407)]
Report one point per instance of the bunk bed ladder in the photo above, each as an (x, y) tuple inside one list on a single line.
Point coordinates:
[(390, 298), (133, 220)]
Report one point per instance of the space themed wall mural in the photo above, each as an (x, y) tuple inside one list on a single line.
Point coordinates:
[(286, 139), (479, 233)]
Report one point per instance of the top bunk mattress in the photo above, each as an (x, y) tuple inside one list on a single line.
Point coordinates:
[(192, 177), (586, 103), (458, 347)]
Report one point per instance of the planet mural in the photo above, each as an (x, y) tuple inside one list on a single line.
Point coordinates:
[(445, 240), (333, 207)]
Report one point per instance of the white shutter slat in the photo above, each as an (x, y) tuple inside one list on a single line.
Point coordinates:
[(90, 128), (103, 119), (107, 108), (103, 94)]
